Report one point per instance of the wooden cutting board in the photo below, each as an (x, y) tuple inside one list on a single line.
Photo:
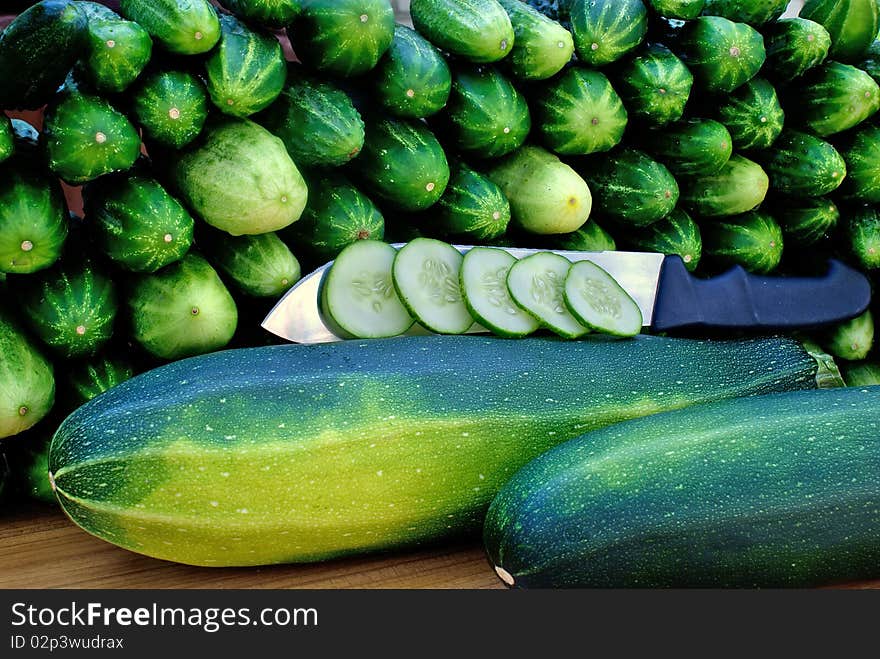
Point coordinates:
[(40, 548)]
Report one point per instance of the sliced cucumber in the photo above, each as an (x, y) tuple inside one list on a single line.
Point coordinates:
[(426, 276), (484, 283), (537, 284), (358, 296), (597, 301)]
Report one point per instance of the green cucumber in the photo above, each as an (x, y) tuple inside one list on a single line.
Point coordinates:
[(655, 86), (541, 47), (426, 274), (753, 240), (738, 187), (343, 37), (765, 491), (183, 27), (589, 238), (802, 165), (794, 46), (86, 138), (851, 340), (871, 63), (476, 30), (89, 379), (862, 155), (675, 234), (579, 112), (537, 285), (546, 195), (833, 98), (862, 236), (472, 209), (337, 215), (171, 107), (239, 178), (486, 116), (412, 80), (28, 390), (182, 310), (597, 301), (805, 220), (358, 298), (862, 374), (630, 187), (246, 71), (72, 306), (33, 220), (753, 115), (852, 24), (484, 272), (344, 476), (117, 51), (29, 461), (606, 31), (7, 138), (692, 147), (37, 50), (721, 54), (753, 12), (139, 226), (316, 120), (259, 266), (402, 163), (273, 14), (678, 9)]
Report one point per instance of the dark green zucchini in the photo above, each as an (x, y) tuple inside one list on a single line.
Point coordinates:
[(476, 30), (691, 147), (753, 240), (541, 47), (655, 86), (246, 71), (273, 14), (37, 50), (852, 24), (316, 120), (171, 107), (579, 113), (629, 187), (606, 31), (486, 116), (768, 491), (342, 37), (675, 234), (183, 27), (402, 163), (739, 186), (753, 115), (721, 54), (862, 155), (862, 235), (259, 266), (833, 98), (412, 79), (473, 208), (116, 53), (802, 165), (794, 46), (851, 340), (678, 9), (753, 12), (804, 220), (139, 226)]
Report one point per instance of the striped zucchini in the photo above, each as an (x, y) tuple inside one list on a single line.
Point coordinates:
[(303, 453)]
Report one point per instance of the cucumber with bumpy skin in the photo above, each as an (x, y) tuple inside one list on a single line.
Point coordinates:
[(183, 27), (861, 152), (117, 51), (753, 115), (853, 339), (274, 14), (753, 12), (721, 54), (541, 47), (171, 107), (678, 9), (676, 233), (89, 379), (597, 301), (852, 24), (692, 147), (537, 284), (484, 273), (589, 238), (358, 298), (606, 31), (475, 30), (802, 165), (752, 240), (833, 98), (794, 46), (426, 275), (738, 187), (862, 235), (472, 209), (805, 221), (655, 85), (259, 266)]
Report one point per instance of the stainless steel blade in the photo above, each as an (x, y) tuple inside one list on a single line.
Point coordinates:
[(297, 316)]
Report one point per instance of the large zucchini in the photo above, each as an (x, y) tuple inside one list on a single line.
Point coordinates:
[(766, 491), (302, 453)]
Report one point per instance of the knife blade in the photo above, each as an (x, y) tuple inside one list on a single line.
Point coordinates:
[(669, 297)]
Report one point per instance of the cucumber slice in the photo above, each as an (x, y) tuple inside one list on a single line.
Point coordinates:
[(358, 296), (537, 284), (596, 299), (484, 283), (426, 276)]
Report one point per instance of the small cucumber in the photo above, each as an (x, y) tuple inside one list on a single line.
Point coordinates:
[(537, 284), (358, 298), (183, 27), (739, 186), (426, 275), (752, 240), (589, 238), (800, 164), (692, 147), (862, 236), (655, 86), (806, 220), (475, 30), (484, 284), (853, 339), (680, 9), (833, 98), (794, 46), (472, 209), (89, 379), (721, 54), (541, 47), (117, 52), (259, 266), (753, 115), (606, 31), (273, 14), (597, 301), (171, 107), (862, 155), (675, 234)]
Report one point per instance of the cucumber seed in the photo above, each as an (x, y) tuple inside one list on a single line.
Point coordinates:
[(26, 246)]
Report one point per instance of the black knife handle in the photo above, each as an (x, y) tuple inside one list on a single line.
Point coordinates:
[(739, 300)]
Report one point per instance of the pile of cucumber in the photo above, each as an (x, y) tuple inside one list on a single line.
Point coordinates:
[(216, 167)]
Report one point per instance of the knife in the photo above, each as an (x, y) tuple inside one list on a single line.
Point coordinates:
[(669, 296)]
